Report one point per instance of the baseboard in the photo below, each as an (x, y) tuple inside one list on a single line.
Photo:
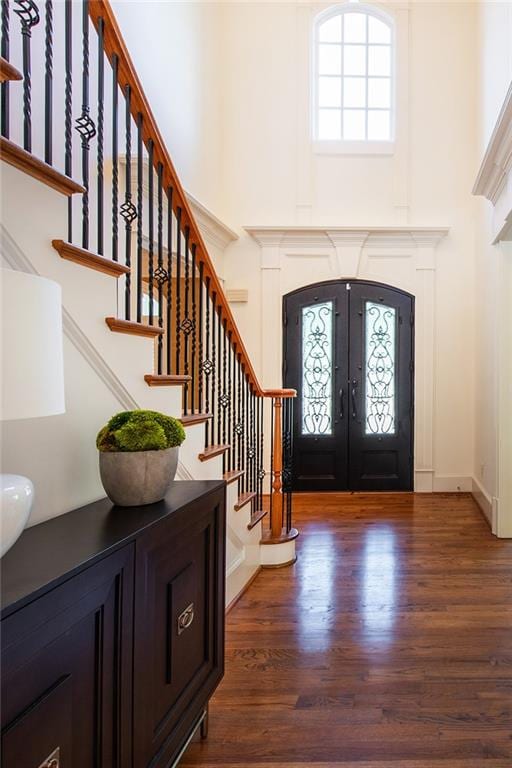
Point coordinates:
[(452, 484), (234, 600), (484, 501)]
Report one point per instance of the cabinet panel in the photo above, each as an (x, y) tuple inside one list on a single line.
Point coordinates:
[(179, 625), (66, 681)]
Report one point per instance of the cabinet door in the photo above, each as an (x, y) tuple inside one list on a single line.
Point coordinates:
[(179, 626), (66, 681)]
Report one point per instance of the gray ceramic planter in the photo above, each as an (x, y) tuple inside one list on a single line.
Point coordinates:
[(131, 479)]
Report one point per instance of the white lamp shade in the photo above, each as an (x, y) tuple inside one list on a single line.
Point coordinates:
[(32, 351)]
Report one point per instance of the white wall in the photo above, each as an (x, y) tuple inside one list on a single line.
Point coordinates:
[(176, 49), (494, 51), (273, 177)]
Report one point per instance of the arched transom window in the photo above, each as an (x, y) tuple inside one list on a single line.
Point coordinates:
[(354, 89)]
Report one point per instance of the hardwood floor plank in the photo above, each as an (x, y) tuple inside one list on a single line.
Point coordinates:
[(388, 643)]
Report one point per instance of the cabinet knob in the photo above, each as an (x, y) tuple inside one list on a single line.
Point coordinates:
[(186, 618), (53, 760)]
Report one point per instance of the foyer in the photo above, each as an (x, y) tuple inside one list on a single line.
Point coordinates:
[(387, 645)]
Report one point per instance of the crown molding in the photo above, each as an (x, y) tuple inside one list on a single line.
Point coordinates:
[(497, 161), (340, 237)]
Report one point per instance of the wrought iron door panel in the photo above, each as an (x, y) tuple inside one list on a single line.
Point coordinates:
[(348, 349), (316, 359)]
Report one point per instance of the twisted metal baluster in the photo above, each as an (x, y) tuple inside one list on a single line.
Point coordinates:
[(28, 15), (48, 83), (84, 124), (200, 351), (178, 289), (151, 233), (115, 160), (194, 333), (185, 325), (128, 210), (169, 279), (206, 364), (214, 361), (101, 88), (68, 105), (4, 88), (160, 273), (140, 196)]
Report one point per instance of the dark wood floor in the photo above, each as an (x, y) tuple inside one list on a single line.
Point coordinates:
[(389, 643)]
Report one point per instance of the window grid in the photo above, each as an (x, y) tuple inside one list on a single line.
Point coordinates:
[(341, 44)]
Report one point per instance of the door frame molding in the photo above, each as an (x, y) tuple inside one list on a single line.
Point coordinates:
[(372, 284), (400, 257)]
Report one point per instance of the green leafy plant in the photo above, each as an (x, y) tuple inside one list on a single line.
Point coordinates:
[(140, 431)]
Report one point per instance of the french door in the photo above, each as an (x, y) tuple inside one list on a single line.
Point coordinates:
[(349, 353)]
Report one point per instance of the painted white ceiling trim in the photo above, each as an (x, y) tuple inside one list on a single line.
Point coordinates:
[(394, 236)]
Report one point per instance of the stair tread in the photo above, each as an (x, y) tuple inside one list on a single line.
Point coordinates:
[(165, 380), (133, 328), (256, 517), (18, 157), (8, 72), (212, 451), (244, 499), (89, 259), (232, 475), (188, 419), (285, 536)]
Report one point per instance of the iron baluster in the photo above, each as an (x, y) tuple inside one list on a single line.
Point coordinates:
[(244, 426), (178, 289), (160, 273), (127, 210), (140, 213), (48, 82), (28, 15), (4, 88), (225, 391), (169, 279), (84, 124), (185, 324), (239, 423), (101, 112), (193, 333), (115, 159), (206, 363), (151, 232), (200, 325), (68, 105), (214, 362), (218, 403)]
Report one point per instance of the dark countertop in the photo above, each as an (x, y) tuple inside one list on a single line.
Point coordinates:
[(58, 548)]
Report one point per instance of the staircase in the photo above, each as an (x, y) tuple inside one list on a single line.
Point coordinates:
[(139, 288)]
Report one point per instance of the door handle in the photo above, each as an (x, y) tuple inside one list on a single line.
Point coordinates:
[(342, 397), (354, 398)]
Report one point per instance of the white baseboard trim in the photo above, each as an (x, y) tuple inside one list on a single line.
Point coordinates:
[(485, 502), (452, 484)]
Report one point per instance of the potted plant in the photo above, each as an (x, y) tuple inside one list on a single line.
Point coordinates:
[(139, 456)]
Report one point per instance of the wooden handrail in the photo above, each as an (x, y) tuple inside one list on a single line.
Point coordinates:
[(127, 75)]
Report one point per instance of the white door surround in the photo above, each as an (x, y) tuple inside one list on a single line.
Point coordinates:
[(403, 257)]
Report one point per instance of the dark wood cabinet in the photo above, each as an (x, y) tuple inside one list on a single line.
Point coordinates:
[(113, 632)]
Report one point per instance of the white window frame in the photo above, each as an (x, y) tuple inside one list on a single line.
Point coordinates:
[(344, 146)]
